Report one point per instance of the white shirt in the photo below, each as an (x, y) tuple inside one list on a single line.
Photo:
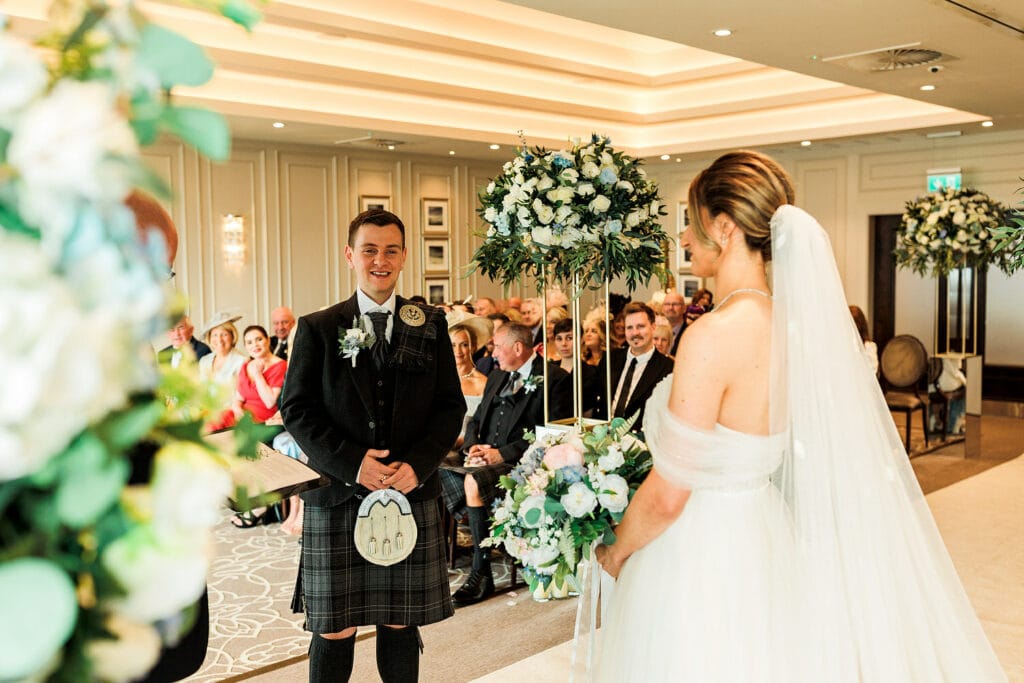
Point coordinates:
[(368, 305), (641, 364)]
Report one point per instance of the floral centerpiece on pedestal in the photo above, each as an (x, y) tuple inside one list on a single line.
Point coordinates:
[(567, 492), (588, 211), (107, 492), (951, 229)]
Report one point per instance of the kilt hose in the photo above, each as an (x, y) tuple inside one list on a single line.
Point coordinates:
[(338, 588), (487, 478)]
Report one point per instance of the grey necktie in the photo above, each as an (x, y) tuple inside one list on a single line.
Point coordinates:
[(379, 350)]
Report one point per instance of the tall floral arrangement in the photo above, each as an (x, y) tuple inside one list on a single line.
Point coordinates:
[(589, 210), (950, 229), (90, 564), (568, 491)]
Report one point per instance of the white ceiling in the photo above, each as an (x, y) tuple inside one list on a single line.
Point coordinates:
[(436, 76)]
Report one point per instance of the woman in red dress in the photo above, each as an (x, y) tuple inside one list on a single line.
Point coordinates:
[(259, 382)]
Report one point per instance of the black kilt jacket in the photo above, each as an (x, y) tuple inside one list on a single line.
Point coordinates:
[(327, 403)]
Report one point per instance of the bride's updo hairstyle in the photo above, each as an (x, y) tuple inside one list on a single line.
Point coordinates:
[(746, 186)]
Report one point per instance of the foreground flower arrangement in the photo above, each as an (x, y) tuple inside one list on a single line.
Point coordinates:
[(568, 491), (107, 491), (588, 211), (951, 229)]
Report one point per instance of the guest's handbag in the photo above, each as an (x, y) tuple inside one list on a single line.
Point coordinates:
[(385, 528)]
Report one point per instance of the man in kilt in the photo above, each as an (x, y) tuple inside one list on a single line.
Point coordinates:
[(372, 417), (512, 404)]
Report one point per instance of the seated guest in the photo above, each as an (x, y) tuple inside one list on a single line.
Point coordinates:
[(674, 309), (567, 346), (555, 315), (484, 357), (282, 321), (617, 339), (704, 299), (181, 338), (222, 365), (468, 331), (259, 382), (632, 384), (484, 306), (693, 312), (663, 339), (512, 404), (532, 314), (594, 347)]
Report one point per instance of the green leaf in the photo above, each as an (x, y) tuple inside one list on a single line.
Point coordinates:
[(242, 13), (175, 59), (40, 611), (553, 507), (609, 536), (248, 436), (126, 428), (532, 516), (205, 130), (11, 220), (92, 482)]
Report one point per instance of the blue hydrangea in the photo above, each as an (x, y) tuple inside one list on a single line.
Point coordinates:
[(573, 474), (608, 176), (560, 162)]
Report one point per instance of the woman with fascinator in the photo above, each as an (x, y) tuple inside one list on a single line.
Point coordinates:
[(782, 535)]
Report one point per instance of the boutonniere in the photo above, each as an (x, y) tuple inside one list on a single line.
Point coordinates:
[(356, 338), (531, 383)]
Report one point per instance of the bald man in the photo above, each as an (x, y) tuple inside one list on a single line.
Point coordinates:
[(673, 307), (282, 322)]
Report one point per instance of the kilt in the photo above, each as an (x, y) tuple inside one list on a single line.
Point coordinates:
[(487, 478), (339, 589)]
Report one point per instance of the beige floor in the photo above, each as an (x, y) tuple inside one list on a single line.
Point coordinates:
[(982, 522)]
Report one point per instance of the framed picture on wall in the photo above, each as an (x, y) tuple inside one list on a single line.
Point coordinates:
[(435, 255), (435, 216), (688, 286), (367, 202), (438, 290), (684, 260)]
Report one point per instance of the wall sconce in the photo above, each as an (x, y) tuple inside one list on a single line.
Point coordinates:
[(233, 227)]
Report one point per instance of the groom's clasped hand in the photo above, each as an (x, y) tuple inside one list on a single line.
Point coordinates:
[(375, 475)]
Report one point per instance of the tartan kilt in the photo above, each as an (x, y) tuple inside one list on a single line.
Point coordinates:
[(338, 589), (487, 477)]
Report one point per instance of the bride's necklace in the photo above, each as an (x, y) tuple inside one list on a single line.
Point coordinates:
[(734, 292)]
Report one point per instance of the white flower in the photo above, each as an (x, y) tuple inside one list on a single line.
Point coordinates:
[(69, 145), (543, 235), (633, 219), (189, 488), (524, 216), (612, 459), (563, 213), (545, 214), (607, 159), (569, 175), (22, 76), (600, 204), (159, 578), (545, 183), (531, 511), (542, 558), (590, 170), (491, 186), (624, 185), (585, 189), (959, 218), (129, 655), (579, 500), (561, 194), (490, 214), (614, 493)]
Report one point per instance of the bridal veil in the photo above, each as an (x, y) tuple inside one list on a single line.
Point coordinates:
[(878, 596)]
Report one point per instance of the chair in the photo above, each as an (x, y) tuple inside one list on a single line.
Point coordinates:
[(451, 529), (904, 363)]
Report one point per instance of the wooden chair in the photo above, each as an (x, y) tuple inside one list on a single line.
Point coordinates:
[(904, 363)]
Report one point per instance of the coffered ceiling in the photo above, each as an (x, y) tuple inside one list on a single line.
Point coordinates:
[(435, 77)]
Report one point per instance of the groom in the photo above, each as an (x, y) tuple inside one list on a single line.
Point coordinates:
[(384, 418)]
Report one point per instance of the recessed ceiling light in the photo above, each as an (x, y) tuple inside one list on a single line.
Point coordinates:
[(391, 147), (278, 124), (722, 32), (666, 157), (987, 124), (927, 88), (678, 160), (495, 146), (805, 143), (451, 152)]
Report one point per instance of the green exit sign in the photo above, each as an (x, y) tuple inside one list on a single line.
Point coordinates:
[(944, 178)]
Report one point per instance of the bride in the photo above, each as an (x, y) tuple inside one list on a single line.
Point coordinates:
[(781, 535)]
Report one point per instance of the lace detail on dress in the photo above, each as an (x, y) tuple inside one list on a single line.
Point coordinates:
[(696, 459)]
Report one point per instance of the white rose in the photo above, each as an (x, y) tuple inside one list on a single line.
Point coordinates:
[(585, 189), (655, 206), (561, 194), (563, 212), (543, 558), (624, 185), (525, 219), (22, 75), (612, 459), (543, 235), (491, 187), (569, 175), (573, 219), (614, 493), (632, 219), (531, 511), (607, 159), (129, 655), (579, 500), (545, 183), (590, 170), (545, 214), (490, 214), (600, 204), (189, 489)]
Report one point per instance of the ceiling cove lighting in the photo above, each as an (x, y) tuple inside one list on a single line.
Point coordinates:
[(722, 32)]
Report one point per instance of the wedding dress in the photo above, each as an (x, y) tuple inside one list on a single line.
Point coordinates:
[(809, 555)]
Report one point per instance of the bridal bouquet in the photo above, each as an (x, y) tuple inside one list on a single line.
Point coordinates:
[(569, 489), (588, 211), (951, 229), (107, 492)]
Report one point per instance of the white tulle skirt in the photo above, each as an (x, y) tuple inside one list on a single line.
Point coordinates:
[(708, 599)]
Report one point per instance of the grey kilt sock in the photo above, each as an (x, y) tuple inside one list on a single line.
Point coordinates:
[(330, 661), (398, 654), (480, 528)]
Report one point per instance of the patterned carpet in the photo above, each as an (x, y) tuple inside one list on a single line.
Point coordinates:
[(251, 581)]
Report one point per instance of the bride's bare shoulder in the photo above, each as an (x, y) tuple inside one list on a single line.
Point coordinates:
[(741, 325)]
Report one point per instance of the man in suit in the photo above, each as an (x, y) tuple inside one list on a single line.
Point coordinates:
[(533, 318), (674, 308), (180, 336), (384, 418), (637, 369), (512, 404), (282, 322)]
